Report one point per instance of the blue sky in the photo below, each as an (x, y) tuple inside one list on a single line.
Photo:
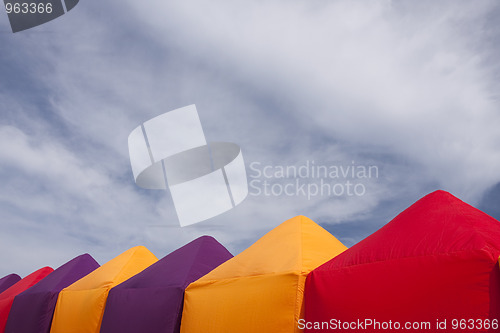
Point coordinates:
[(409, 87)]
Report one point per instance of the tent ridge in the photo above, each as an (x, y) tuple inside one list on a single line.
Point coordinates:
[(193, 260), (487, 240), (301, 241), (124, 268), (206, 282), (482, 249)]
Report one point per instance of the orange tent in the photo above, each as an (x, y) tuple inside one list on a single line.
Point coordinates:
[(261, 289), (80, 306)]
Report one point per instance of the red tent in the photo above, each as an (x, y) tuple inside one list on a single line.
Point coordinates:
[(7, 297), (433, 268)]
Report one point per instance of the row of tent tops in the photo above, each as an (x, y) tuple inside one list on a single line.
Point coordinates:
[(201, 287)]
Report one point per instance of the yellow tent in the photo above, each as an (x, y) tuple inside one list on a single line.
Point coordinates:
[(261, 289), (81, 305)]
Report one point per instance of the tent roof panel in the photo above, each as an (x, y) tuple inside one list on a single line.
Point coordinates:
[(116, 270), (297, 244), (436, 224)]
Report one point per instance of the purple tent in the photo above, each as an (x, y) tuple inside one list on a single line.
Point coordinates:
[(32, 309), (152, 300), (7, 281)]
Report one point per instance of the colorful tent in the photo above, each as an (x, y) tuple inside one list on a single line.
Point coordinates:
[(261, 289), (435, 261), (81, 305), (7, 297), (32, 309), (7, 281), (152, 300)]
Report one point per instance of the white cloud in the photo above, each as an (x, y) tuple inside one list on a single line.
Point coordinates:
[(53, 200), (411, 79), (408, 89)]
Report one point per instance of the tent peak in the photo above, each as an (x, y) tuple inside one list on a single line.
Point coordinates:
[(296, 245), (26, 282), (116, 270), (181, 265), (442, 194), (436, 224)]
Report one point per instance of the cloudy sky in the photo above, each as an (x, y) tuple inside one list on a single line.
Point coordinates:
[(410, 87)]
